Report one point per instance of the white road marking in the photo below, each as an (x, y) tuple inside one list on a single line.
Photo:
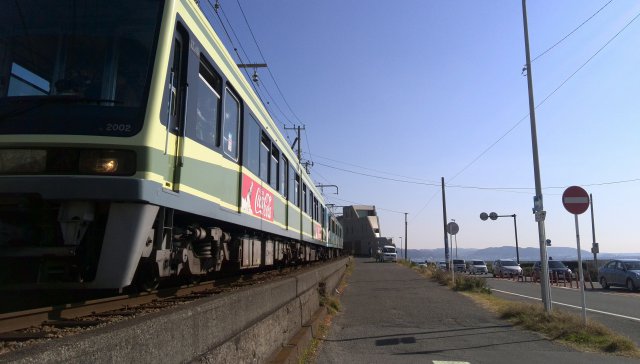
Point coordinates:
[(449, 362), (572, 306)]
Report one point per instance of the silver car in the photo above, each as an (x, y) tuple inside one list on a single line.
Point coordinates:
[(478, 267), (622, 273), (506, 267)]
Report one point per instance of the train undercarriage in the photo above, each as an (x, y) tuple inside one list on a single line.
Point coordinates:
[(113, 245)]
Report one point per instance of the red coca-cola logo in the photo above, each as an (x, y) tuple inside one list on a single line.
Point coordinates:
[(256, 200), (263, 204), (317, 231)]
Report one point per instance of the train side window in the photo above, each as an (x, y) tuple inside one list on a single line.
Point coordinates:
[(305, 201), (251, 154), (275, 167), (265, 147), (176, 77), (208, 89), (284, 177), (231, 125), (294, 183), (311, 210)]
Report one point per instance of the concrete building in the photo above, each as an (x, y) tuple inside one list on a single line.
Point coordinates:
[(361, 228)]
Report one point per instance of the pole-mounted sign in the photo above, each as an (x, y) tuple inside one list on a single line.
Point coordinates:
[(576, 200), (453, 228)]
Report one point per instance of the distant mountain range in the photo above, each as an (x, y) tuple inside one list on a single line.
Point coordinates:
[(509, 252)]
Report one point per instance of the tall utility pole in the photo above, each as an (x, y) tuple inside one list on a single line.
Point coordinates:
[(538, 206), (405, 236), (444, 224), (297, 141)]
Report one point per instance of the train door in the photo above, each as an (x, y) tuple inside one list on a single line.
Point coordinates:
[(178, 89)]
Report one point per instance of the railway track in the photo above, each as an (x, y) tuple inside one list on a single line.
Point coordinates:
[(56, 321)]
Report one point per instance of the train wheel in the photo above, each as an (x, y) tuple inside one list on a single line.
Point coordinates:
[(148, 277)]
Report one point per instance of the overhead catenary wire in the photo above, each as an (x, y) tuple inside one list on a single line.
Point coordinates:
[(217, 13), (254, 85), (268, 69), (278, 107), (308, 144)]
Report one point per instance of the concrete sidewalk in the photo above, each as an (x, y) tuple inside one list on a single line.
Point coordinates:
[(390, 314)]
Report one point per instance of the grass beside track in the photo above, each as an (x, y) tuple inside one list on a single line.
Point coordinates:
[(559, 326)]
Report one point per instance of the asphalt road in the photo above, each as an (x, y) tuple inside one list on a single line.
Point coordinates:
[(617, 309), (390, 314)]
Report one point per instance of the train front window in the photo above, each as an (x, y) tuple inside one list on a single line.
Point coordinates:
[(76, 67)]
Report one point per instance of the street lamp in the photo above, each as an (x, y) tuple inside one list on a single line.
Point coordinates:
[(400, 245), (494, 216)]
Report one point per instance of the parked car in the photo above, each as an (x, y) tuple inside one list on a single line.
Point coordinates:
[(442, 265), (477, 267), (555, 266), (506, 267), (419, 262), (388, 254), (622, 273), (459, 265)]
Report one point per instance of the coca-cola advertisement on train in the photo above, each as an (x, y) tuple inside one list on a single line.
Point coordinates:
[(256, 200)]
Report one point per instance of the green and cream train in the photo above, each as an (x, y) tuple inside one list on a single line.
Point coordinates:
[(132, 149)]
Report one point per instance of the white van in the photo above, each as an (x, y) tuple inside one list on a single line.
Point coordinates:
[(388, 254)]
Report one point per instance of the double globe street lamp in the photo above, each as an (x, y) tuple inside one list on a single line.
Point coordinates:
[(493, 216)]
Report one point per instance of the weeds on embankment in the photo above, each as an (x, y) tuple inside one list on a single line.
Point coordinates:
[(331, 302), (560, 325), (463, 282)]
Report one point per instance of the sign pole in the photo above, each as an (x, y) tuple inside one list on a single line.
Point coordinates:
[(576, 200), (580, 271), (453, 271)]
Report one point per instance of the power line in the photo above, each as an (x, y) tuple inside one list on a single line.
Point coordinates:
[(573, 31), (545, 99), (372, 169), (366, 204), (589, 60), (498, 189)]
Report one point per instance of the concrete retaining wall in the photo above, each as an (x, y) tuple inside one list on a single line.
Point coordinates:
[(236, 327)]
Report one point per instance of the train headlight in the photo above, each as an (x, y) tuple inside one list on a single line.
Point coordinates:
[(113, 162), (106, 165), (57, 161)]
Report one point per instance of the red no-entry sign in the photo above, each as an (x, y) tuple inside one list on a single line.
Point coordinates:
[(575, 199)]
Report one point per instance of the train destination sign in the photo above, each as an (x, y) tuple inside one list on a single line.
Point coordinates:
[(576, 200)]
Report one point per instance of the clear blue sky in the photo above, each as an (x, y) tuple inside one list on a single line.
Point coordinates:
[(417, 90)]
